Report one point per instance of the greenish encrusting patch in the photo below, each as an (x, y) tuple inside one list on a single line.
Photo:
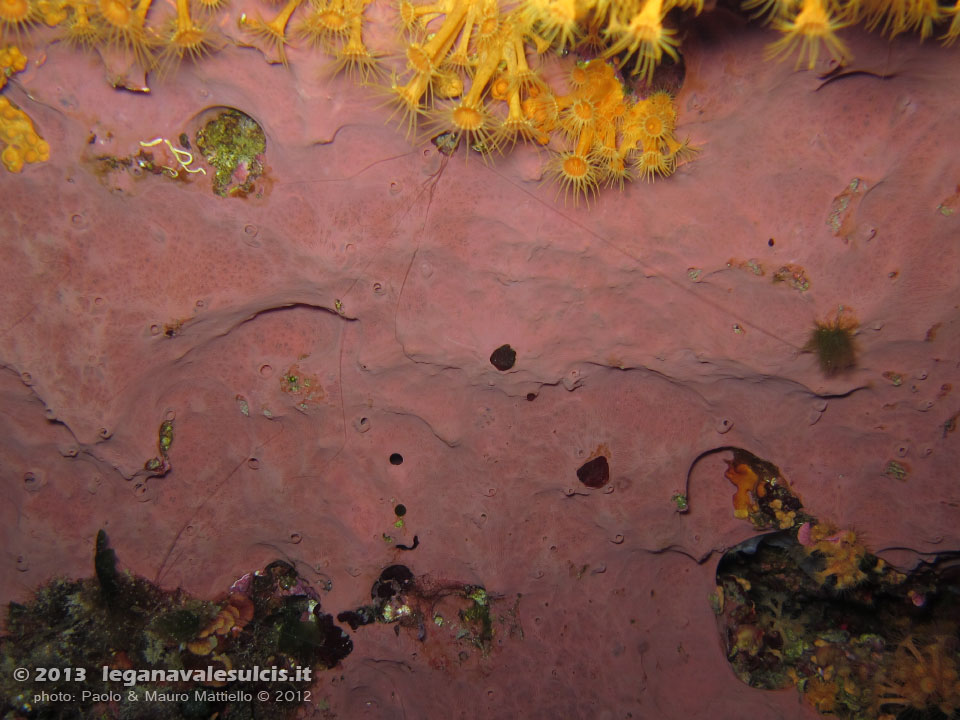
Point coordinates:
[(233, 143), (168, 655)]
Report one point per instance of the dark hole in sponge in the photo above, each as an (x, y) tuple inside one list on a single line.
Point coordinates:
[(594, 473), (392, 581), (503, 358)]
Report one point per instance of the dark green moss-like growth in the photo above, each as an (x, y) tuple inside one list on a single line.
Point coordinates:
[(122, 622), (180, 626), (234, 143), (784, 619), (105, 564), (833, 342)]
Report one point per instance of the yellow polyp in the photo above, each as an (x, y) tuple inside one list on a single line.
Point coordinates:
[(438, 46), (24, 145), (53, 13), (953, 32), (418, 60), (540, 44), (585, 141), (211, 6), (354, 56), (411, 15), (574, 174), (123, 27), (543, 113), (489, 61), (275, 31), (515, 109), (326, 26), (525, 76), (186, 37), (695, 5), (279, 24), (615, 172), (461, 55), (487, 29), (923, 15), (413, 91), (140, 13), (515, 124), (184, 21), (16, 15), (470, 118), (812, 27), (500, 88), (556, 20), (117, 13), (505, 83), (406, 99), (607, 136), (447, 85), (645, 36)]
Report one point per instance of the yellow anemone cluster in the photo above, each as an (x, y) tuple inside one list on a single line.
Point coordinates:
[(462, 57), (635, 32), (600, 136), (11, 61), (610, 139), (23, 145), (21, 141), (116, 25), (922, 676), (468, 77), (336, 26), (842, 555), (611, 27)]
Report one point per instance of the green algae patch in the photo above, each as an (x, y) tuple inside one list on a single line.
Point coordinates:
[(233, 143), (116, 646)]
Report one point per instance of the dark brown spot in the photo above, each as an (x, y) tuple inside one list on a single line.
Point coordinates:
[(503, 358), (595, 473)]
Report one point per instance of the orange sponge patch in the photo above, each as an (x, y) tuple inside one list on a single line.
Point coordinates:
[(746, 480)]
